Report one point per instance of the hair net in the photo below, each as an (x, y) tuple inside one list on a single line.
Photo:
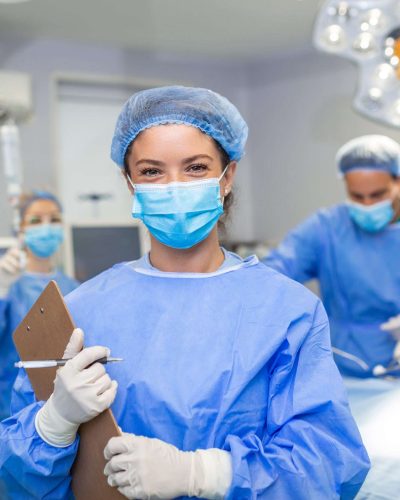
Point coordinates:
[(373, 152), (28, 199), (208, 111)]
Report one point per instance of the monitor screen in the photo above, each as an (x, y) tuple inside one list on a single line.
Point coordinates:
[(97, 248)]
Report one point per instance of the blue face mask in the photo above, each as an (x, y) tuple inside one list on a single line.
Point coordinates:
[(371, 218), (179, 214), (44, 240)]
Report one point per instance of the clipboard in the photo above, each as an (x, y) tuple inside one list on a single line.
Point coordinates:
[(44, 334)]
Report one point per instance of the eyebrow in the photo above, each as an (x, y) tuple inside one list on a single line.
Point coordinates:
[(158, 163), (374, 193)]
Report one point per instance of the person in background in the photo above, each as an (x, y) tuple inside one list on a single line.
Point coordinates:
[(229, 388), (23, 276), (353, 250)]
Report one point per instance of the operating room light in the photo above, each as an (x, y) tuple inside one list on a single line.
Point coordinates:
[(368, 33)]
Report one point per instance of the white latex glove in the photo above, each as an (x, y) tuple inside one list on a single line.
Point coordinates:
[(144, 468), (82, 390), (10, 269), (392, 326)]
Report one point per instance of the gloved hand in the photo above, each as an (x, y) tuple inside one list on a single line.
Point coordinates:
[(144, 468), (82, 390), (392, 326), (10, 269)]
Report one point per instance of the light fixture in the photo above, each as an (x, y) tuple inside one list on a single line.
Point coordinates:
[(369, 35)]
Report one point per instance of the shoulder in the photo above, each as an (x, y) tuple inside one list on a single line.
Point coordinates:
[(276, 287), (105, 282)]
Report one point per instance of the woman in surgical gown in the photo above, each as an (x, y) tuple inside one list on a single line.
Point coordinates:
[(20, 285), (228, 388)]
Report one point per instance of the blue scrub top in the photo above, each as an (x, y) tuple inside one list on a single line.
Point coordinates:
[(13, 308), (238, 359), (359, 276)]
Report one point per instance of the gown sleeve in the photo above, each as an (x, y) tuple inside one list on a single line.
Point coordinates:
[(310, 447), (298, 255), (29, 467)]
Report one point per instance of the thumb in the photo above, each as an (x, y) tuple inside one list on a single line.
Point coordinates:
[(75, 344)]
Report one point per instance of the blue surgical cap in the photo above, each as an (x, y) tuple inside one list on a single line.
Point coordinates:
[(35, 196), (371, 152), (208, 111)]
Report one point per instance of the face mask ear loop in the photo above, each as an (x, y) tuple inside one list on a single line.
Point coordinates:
[(130, 181), (219, 180), (223, 173)]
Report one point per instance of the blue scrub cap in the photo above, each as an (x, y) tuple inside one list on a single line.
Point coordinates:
[(36, 195), (202, 108), (371, 152)]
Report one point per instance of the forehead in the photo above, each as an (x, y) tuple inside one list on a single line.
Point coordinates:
[(173, 138), (42, 207), (370, 178)]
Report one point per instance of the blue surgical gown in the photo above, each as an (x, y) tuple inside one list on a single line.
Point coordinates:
[(359, 277), (13, 308), (238, 359)]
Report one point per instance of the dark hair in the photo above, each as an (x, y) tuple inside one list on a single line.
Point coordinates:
[(229, 198)]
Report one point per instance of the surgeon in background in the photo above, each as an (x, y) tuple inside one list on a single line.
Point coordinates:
[(228, 388), (353, 249), (23, 276)]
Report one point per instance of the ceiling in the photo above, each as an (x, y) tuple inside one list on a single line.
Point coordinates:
[(228, 28)]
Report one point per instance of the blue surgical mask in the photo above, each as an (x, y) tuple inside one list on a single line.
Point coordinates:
[(179, 214), (44, 240), (371, 218)]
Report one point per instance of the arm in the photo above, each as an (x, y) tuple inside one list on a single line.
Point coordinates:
[(310, 448), (38, 444), (297, 256), (29, 467)]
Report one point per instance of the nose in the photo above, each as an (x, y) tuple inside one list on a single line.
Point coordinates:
[(368, 201)]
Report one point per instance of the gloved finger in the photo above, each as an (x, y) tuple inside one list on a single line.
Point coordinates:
[(88, 356), (120, 479), (11, 264), (93, 373), (75, 344), (107, 398), (133, 493), (120, 444), (103, 384), (117, 463)]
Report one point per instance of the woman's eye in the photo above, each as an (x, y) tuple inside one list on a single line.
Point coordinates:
[(150, 172), (198, 168), (35, 220), (56, 220)]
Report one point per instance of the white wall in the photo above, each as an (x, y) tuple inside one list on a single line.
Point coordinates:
[(300, 114)]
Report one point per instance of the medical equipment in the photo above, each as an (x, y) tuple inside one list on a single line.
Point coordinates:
[(179, 214), (378, 370), (15, 106), (49, 363), (368, 33)]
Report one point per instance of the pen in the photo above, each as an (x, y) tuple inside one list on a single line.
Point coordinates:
[(48, 363)]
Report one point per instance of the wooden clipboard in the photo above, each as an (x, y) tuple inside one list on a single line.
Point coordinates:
[(44, 334)]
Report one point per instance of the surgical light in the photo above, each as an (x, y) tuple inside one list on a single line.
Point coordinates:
[(368, 33)]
